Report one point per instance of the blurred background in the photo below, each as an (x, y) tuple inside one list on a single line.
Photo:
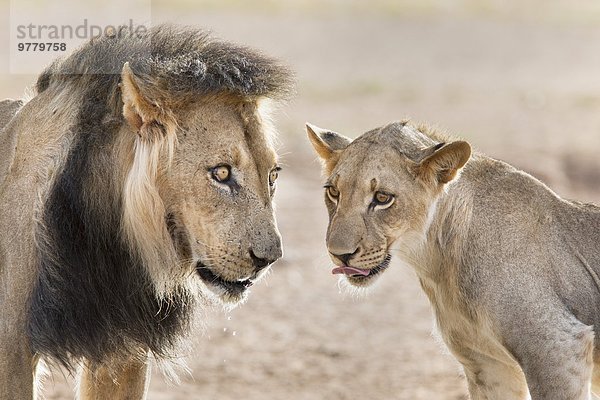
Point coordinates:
[(519, 80)]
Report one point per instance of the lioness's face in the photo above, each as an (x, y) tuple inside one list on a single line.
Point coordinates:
[(220, 213), (381, 188)]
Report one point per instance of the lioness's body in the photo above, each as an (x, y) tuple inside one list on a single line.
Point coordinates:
[(110, 238), (523, 283), (510, 268)]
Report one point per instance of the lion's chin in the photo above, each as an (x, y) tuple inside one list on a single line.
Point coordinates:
[(229, 292), (363, 281)]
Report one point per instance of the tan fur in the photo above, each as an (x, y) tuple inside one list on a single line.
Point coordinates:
[(127, 381), (510, 269), (143, 209)]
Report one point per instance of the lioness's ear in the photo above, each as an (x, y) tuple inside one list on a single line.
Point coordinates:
[(443, 162), (326, 142)]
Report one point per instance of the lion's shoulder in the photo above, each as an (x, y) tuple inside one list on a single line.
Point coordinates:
[(8, 137), (8, 109)]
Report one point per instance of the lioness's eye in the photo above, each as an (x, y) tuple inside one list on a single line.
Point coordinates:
[(381, 198), (333, 193), (274, 175), (222, 173)]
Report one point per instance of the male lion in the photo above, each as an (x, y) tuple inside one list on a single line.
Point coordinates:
[(510, 268), (128, 198)]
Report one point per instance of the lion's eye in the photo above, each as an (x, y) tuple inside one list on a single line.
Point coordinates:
[(222, 173), (333, 193), (273, 175), (382, 199)]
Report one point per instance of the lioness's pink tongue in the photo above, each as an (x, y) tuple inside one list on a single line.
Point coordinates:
[(350, 271)]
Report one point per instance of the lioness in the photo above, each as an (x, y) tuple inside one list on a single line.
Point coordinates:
[(510, 268), (135, 185)]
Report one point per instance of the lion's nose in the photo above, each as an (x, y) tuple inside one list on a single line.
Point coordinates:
[(261, 263)]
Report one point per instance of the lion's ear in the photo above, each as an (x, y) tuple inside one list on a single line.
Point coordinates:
[(443, 162), (142, 108), (327, 144)]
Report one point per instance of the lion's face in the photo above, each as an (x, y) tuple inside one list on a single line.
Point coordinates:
[(198, 193), (381, 190), (218, 200)]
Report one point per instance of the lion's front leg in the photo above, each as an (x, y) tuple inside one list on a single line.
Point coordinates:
[(116, 381), (17, 367)]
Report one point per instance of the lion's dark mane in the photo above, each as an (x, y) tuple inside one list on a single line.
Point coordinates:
[(93, 298), (184, 62)]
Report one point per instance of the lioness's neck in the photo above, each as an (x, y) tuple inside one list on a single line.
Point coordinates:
[(441, 251), (491, 204)]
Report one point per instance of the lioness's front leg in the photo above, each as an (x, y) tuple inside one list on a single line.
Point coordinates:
[(121, 380), (490, 379)]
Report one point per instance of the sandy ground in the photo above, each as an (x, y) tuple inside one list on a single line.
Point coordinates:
[(523, 89)]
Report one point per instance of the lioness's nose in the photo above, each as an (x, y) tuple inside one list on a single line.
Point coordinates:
[(345, 258)]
